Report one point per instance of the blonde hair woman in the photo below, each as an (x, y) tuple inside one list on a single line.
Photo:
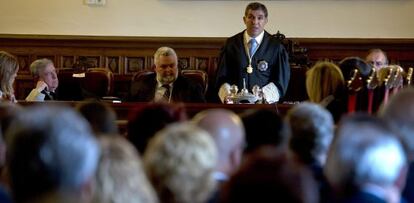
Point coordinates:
[(8, 72), (325, 85)]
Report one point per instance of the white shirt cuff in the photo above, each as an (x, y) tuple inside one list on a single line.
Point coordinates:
[(271, 93)]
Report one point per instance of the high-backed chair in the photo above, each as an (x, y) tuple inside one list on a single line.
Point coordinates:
[(198, 76), (98, 82)]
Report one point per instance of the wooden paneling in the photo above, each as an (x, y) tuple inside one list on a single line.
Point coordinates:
[(128, 55)]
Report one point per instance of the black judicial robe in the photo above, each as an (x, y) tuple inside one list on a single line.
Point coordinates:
[(234, 60)]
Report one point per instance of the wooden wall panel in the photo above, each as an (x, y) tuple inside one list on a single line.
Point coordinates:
[(128, 55)]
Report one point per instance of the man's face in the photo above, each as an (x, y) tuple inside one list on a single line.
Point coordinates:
[(166, 69), (255, 20), (49, 76), (377, 60)]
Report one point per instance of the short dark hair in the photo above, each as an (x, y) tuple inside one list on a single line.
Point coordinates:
[(255, 6)]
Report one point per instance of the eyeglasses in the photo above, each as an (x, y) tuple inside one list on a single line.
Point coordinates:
[(376, 63)]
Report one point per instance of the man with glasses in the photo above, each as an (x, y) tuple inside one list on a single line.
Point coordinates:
[(377, 58)]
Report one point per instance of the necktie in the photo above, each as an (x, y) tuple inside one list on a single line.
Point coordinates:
[(252, 47), (167, 92)]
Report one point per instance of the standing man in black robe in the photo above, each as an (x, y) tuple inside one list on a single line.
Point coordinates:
[(254, 56)]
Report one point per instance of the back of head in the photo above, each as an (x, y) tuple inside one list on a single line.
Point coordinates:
[(312, 128), (145, 121), (179, 162), (224, 126), (100, 116), (268, 176), (120, 177), (264, 127), (8, 68), (49, 154), (348, 64), (364, 152), (399, 114), (324, 79)]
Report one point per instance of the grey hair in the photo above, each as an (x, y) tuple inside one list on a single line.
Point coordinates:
[(179, 161), (163, 51), (39, 65), (364, 152), (312, 129), (53, 145)]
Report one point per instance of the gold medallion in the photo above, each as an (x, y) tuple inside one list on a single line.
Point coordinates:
[(249, 69)]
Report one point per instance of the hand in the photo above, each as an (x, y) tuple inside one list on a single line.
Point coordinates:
[(41, 85)]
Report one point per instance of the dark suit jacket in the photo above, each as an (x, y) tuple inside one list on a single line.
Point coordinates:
[(234, 60), (184, 90)]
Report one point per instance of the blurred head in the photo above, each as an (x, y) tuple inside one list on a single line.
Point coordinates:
[(322, 80), (399, 115), (268, 176), (364, 152), (264, 127), (179, 162), (100, 116), (51, 155), (120, 177), (377, 58), (255, 18), (312, 129), (9, 66), (145, 121), (165, 60), (226, 129), (44, 70)]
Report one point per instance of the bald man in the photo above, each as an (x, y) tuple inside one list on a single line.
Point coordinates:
[(227, 130)]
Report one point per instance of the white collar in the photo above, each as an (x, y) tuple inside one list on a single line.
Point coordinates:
[(258, 39)]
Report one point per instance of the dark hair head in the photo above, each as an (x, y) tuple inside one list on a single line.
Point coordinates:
[(256, 6), (267, 175), (145, 121), (264, 127), (100, 116)]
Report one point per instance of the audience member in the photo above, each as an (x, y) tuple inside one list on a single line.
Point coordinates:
[(7, 112), (179, 162), (377, 58), (268, 176), (52, 156), (312, 129), (399, 114), (120, 177), (366, 162), (9, 66), (254, 56), (145, 121), (325, 85), (166, 85), (44, 72), (226, 129), (264, 127), (100, 116)]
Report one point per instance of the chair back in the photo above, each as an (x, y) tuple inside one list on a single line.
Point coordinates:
[(198, 76), (98, 82)]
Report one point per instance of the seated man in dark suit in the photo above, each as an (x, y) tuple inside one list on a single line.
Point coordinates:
[(166, 85), (43, 70)]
